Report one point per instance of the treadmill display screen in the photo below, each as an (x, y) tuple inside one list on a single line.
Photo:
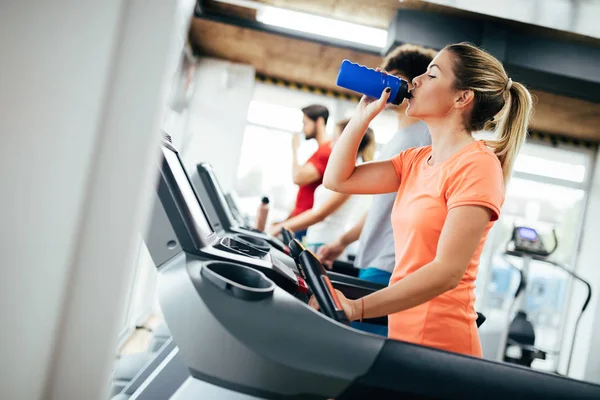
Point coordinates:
[(200, 221), (528, 234)]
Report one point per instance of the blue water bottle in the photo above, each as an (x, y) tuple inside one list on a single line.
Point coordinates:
[(369, 82)]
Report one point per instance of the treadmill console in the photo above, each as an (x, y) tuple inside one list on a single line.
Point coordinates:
[(193, 233), (233, 245), (527, 240)]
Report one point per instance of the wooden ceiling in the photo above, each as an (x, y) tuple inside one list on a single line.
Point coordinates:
[(316, 64)]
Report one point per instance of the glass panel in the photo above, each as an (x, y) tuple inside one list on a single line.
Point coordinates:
[(545, 305), (544, 207), (274, 115), (279, 107), (552, 162), (265, 168)]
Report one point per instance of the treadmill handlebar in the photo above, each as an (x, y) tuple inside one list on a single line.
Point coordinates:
[(287, 235), (319, 283)]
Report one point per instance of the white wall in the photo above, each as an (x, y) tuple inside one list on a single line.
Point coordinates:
[(217, 117), (81, 90), (586, 359), (142, 294)]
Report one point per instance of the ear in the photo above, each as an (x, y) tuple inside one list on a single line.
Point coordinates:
[(464, 98)]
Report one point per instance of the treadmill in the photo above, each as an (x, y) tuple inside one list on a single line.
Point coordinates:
[(237, 328), (218, 211), (222, 218), (202, 237)]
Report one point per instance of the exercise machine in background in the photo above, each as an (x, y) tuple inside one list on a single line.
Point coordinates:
[(519, 341)]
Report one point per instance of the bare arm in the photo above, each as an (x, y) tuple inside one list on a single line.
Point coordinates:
[(460, 236), (332, 251), (302, 174), (342, 175), (354, 233), (313, 216)]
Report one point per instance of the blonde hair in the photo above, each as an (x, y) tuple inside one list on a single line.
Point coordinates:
[(497, 98), (366, 148)]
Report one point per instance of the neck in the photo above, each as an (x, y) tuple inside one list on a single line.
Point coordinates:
[(321, 136), (403, 119), (447, 137)]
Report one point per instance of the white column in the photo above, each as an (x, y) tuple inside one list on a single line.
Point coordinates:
[(586, 363), (218, 117), (81, 91)]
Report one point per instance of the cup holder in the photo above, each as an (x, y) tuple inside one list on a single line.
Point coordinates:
[(237, 280), (255, 242)]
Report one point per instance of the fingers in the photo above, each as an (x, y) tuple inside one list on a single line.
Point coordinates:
[(366, 99), (385, 95), (312, 302), (328, 265)]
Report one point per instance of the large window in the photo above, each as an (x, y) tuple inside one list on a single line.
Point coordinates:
[(264, 167)]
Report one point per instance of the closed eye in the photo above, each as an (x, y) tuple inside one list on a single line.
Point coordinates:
[(431, 76)]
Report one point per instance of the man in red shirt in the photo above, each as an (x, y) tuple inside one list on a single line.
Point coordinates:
[(310, 175)]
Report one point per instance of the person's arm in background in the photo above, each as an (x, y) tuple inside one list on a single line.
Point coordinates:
[(312, 216), (330, 252), (342, 174), (302, 174)]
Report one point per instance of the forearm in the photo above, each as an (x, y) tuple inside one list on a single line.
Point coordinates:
[(353, 234), (417, 288), (295, 165), (302, 221), (342, 161)]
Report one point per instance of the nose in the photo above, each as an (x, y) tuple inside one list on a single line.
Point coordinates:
[(415, 82)]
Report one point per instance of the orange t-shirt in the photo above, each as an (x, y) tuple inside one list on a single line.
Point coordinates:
[(472, 176)]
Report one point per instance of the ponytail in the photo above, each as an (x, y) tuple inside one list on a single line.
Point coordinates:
[(511, 129), (495, 95)]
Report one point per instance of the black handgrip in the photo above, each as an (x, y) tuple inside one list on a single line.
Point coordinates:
[(296, 249), (321, 286), (480, 319), (286, 235), (367, 285), (279, 245), (522, 283), (343, 267), (589, 295)]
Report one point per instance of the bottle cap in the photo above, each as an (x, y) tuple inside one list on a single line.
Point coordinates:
[(265, 200), (403, 93)]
